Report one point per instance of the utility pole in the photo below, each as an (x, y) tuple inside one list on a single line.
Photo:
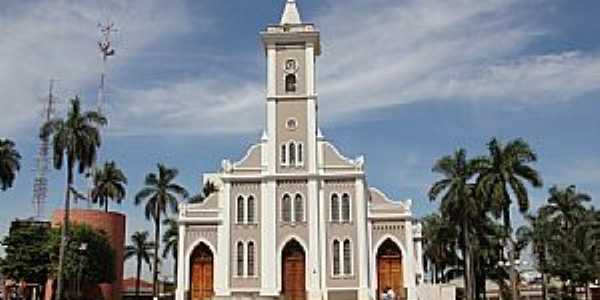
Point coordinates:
[(40, 183)]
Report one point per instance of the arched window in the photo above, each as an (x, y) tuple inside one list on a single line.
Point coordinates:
[(347, 258), (240, 210), (290, 83), (292, 149), (298, 208), (240, 259), (283, 154), (286, 208), (250, 254), (346, 207), (300, 154), (335, 208), (251, 210), (336, 257)]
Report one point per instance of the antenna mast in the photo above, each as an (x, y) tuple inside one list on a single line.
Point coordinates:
[(106, 50), (40, 183), (105, 46)]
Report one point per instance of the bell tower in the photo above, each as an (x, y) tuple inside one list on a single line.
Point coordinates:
[(291, 49)]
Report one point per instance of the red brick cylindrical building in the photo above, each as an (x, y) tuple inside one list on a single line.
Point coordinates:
[(111, 223)]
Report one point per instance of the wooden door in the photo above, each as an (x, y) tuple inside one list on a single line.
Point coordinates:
[(202, 274), (389, 270), (293, 269)]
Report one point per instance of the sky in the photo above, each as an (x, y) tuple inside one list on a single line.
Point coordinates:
[(402, 82)]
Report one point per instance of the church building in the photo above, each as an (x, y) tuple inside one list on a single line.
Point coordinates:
[(295, 219)]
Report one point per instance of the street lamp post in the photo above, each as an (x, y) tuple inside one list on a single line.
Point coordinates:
[(82, 249), (510, 266)]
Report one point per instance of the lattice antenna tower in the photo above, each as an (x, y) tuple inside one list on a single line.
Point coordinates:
[(40, 183)]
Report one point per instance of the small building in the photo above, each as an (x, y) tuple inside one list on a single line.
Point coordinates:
[(294, 218), (113, 225)]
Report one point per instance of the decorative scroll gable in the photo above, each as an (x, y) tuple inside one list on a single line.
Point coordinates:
[(380, 204), (251, 163), (333, 160)]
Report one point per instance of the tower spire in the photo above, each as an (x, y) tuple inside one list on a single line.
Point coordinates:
[(290, 16)]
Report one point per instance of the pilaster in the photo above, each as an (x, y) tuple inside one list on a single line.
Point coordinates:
[(410, 261), (361, 227), (314, 255), (271, 121), (269, 276), (182, 265), (323, 240), (222, 256)]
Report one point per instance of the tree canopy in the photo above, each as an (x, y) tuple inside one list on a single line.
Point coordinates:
[(9, 163), (94, 263), (27, 254)]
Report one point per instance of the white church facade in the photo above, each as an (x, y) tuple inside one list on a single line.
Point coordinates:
[(295, 219)]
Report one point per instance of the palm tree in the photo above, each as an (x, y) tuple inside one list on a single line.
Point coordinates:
[(507, 170), (141, 249), (538, 233), (566, 209), (76, 139), (171, 240), (574, 254), (159, 192), (459, 204), (565, 206), (487, 244), (438, 244), (109, 184), (9, 163), (587, 249)]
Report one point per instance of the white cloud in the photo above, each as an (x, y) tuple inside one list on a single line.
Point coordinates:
[(377, 54), (57, 39), (421, 50), (220, 105)]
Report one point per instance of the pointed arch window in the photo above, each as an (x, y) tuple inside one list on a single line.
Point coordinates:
[(347, 257), (251, 258), (298, 208), (335, 208), (240, 210), (290, 83), (345, 207), (240, 259), (286, 208), (251, 210)]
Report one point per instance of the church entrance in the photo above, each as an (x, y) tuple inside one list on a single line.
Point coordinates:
[(201, 273), (389, 269), (293, 269)]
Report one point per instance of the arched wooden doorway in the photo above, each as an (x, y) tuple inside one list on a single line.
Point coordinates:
[(201, 275), (389, 269), (293, 283)]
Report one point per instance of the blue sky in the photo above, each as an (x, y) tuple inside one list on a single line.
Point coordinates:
[(402, 82)]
